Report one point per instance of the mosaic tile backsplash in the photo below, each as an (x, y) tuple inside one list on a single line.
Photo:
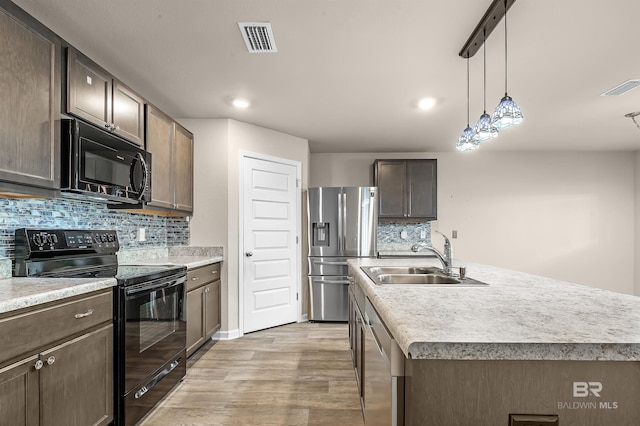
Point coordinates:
[(390, 235), (160, 231)]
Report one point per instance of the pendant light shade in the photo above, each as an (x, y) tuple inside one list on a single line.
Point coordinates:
[(484, 130), (465, 141), (507, 113)]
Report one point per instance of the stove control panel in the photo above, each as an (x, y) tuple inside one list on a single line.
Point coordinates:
[(30, 241)]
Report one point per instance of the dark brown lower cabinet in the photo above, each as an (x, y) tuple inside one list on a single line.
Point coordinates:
[(203, 305), (66, 381)]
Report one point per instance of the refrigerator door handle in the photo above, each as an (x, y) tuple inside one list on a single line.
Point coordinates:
[(317, 262), (343, 211), (340, 230), (326, 281)]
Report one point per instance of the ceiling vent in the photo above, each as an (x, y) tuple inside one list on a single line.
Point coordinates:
[(258, 36), (623, 88)]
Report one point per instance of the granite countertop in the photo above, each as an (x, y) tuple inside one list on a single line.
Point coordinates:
[(189, 261), (518, 316), (17, 293)]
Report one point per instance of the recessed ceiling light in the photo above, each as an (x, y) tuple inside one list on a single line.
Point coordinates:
[(426, 103), (240, 103)]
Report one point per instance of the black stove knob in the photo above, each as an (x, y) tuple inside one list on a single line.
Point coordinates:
[(111, 237), (38, 240)]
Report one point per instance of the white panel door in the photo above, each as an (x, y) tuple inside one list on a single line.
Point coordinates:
[(269, 261)]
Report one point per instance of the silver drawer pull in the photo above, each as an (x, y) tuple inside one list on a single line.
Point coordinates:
[(195, 278), (51, 360), (38, 365), (84, 314)]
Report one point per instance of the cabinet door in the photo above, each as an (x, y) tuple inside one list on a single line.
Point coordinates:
[(212, 309), (77, 381), (128, 113), (89, 90), (29, 102), (195, 320), (390, 178), (19, 393), (183, 169), (160, 134), (422, 189)]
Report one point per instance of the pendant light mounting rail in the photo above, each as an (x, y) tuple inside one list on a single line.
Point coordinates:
[(489, 21)]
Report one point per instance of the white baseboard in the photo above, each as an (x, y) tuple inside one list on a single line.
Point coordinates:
[(226, 335)]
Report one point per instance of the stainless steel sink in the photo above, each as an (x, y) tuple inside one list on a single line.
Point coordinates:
[(416, 279), (380, 270), (416, 276)]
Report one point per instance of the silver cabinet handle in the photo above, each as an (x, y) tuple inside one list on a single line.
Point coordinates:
[(84, 314), (38, 365), (249, 254), (195, 278), (51, 360)]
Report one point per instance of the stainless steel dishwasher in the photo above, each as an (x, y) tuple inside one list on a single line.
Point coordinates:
[(383, 373)]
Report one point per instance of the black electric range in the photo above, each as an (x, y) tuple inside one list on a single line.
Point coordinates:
[(148, 303)]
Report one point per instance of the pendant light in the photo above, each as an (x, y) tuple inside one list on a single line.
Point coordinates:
[(507, 113), (484, 130), (465, 141)]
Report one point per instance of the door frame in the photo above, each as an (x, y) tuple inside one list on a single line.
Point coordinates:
[(298, 227)]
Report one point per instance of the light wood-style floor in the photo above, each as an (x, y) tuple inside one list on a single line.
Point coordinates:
[(297, 374)]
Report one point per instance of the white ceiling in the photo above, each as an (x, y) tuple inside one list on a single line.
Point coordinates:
[(348, 74)]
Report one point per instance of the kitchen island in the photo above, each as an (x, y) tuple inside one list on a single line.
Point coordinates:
[(522, 344)]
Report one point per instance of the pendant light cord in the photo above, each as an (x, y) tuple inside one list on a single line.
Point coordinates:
[(484, 67), (505, 47), (467, 91)]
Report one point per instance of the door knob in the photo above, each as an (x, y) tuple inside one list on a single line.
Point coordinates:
[(249, 254)]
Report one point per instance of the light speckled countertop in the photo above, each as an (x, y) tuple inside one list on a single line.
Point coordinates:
[(189, 261), (17, 293), (518, 316)]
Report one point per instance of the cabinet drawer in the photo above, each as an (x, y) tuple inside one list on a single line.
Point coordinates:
[(36, 328), (201, 276)]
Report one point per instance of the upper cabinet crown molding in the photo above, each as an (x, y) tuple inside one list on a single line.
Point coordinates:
[(96, 96)]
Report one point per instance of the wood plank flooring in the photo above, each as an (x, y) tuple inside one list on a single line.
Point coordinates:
[(296, 374)]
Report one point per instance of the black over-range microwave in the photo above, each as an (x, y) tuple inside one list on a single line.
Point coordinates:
[(100, 165)]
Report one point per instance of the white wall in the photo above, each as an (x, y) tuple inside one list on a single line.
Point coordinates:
[(569, 216), (217, 147)]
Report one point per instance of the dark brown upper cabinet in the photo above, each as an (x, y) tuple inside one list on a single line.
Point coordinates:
[(407, 189), (96, 96), (171, 148), (30, 70)]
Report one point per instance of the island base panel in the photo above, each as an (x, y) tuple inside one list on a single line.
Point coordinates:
[(486, 393)]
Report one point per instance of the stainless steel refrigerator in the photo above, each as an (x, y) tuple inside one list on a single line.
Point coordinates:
[(342, 223)]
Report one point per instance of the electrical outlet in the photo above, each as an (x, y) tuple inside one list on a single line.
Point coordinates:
[(403, 234), (423, 234), (533, 420), (454, 234), (141, 234)]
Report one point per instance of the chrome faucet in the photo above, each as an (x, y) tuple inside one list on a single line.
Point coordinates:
[(445, 258)]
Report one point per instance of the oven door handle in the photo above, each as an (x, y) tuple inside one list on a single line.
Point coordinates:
[(146, 388), (160, 284)]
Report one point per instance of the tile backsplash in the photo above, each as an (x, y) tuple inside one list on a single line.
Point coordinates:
[(45, 213), (400, 236)]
